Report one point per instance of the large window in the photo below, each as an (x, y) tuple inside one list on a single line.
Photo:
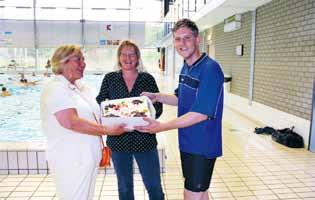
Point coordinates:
[(97, 59), (17, 59), (31, 30), (100, 59), (105, 10)]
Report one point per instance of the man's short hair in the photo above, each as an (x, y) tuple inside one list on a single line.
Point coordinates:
[(188, 24)]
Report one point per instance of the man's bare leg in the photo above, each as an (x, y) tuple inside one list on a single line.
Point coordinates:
[(189, 195)]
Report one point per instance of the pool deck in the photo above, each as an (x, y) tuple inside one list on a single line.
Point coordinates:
[(253, 167)]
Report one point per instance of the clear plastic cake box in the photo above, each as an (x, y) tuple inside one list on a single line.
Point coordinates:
[(129, 121)]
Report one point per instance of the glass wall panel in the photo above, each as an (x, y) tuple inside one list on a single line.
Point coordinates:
[(97, 59), (108, 14), (103, 34), (106, 10), (17, 59), (144, 10), (55, 33), (59, 22), (100, 59), (200, 4), (26, 13), (16, 33), (153, 34), (44, 13), (59, 3), (17, 3), (43, 55), (121, 4), (150, 59), (4, 58)]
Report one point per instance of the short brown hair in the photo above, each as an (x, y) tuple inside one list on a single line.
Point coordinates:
[(188, 24)]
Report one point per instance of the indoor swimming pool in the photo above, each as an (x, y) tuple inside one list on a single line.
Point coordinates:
[(19, 113), (22, 145)]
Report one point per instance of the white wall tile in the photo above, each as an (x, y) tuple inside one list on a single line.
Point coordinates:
[(32, 160), (22, 160), (23, 171), (13, 162), (41, 158), (268, 116), (43, 171), (4, 171), (13, 171), (32, 171), (3, 160)]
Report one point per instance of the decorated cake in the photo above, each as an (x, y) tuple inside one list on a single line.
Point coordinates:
[(127, 107)]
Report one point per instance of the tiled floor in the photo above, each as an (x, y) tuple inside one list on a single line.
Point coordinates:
[(253, 167)]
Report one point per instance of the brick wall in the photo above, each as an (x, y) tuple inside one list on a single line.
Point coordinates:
[(225, 54), (285, 55)]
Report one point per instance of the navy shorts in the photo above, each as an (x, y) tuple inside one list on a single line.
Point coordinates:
[(197, 171)]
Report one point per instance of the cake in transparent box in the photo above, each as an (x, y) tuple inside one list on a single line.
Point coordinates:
[(129, 111)]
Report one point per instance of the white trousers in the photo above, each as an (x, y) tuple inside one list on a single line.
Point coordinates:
[(76, 183)]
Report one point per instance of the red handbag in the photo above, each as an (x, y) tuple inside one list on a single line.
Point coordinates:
[(106, 156)]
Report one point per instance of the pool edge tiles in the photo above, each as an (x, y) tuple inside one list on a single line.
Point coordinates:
[(33, 161), (23, 145)]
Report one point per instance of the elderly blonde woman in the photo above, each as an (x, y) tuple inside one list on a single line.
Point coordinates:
[(70, 120), (130, 81)]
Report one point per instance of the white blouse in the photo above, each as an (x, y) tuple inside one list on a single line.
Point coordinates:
[(66, 147)]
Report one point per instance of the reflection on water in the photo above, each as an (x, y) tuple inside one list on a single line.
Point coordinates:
[(19, 113)]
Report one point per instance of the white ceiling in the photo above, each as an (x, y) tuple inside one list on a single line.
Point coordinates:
[(217, 10)]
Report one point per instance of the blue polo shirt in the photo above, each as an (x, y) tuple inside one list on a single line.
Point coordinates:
[(200, 90)]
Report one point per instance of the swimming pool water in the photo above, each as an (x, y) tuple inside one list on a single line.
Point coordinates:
[(19, 113)]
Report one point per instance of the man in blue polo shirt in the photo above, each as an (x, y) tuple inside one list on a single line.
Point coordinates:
[(199, 98)]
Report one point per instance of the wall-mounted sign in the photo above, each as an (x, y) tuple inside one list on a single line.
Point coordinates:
[(109, 42), (239, 50), (102, 42), (7, 33), (108, 27), (6, 38), (232, 23)]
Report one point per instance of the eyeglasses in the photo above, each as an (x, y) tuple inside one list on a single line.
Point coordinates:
[(130, 55), (77, 59)]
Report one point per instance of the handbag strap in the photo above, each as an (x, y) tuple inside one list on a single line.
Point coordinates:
[(103, 145), (76, 89)]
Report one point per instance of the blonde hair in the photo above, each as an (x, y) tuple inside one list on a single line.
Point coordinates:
[(62, 54), (128, 43)]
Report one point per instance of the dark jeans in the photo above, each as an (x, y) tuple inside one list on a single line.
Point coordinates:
[(149, 167)]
